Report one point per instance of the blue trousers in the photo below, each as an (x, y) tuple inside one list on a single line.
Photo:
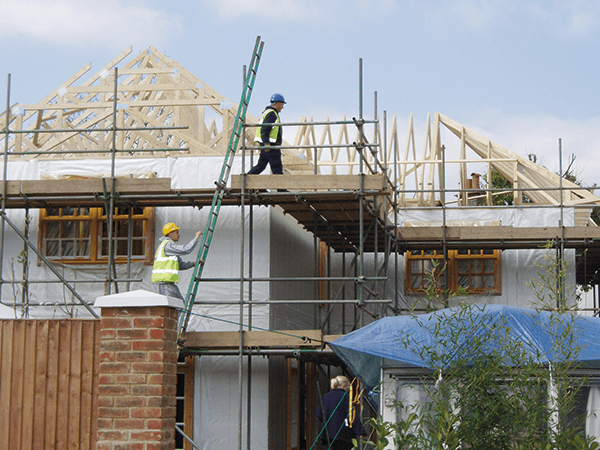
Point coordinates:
[(271, 157)]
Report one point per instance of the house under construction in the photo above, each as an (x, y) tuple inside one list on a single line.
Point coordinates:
[(356, 229)]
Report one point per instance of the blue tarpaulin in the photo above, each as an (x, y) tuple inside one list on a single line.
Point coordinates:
[(402, 338)]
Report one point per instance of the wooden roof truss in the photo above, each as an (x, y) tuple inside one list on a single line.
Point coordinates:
[(419, 174), (153, 92)]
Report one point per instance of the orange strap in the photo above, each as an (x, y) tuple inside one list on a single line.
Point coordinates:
[(354, 398)]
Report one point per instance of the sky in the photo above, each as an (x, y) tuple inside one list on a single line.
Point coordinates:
[(523, 73)]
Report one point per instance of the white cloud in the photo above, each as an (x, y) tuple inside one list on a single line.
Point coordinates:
[(114, 24), (572, 18), (567, 18), (328, 12), (468, 14), (278, 10)]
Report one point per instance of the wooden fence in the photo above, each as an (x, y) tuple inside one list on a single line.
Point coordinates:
[(49, 384)]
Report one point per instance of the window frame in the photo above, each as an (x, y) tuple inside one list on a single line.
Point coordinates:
[(455, 260), (95, 218)]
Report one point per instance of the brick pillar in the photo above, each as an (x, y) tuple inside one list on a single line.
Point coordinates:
[(138, 371)]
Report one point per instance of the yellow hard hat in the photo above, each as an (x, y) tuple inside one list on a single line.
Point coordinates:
[(169, 227)]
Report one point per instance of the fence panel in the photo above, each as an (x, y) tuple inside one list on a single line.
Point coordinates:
[(49, 384)]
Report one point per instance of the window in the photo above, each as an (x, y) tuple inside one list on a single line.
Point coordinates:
[(80, 235), (478, 271)]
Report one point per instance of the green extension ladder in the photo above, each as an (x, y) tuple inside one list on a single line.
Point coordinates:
[(221, 184)]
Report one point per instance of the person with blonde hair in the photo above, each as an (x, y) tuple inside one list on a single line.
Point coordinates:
[(334, 413), (339, 382)]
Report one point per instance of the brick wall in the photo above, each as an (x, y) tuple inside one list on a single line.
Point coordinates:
[(137, 381)]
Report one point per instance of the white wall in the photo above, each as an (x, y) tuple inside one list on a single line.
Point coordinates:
[(217, 387), (292, 255)]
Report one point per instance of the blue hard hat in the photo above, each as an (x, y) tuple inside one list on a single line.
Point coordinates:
[(277, 98)]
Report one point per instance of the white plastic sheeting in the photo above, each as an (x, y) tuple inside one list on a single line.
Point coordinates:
[(284, 251), (7, 312), (217, 389), (592, 422), (516, 216)]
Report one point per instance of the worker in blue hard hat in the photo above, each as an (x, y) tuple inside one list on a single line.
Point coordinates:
[(268, 136), (168, 262)]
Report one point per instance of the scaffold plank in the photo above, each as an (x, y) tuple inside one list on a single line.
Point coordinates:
[(311, 182), (497, 233), (256, 339), (85, 186)]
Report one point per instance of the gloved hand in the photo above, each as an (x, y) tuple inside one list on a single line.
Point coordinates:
[(198, 234)]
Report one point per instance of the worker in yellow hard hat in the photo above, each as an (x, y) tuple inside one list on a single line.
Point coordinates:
[(168, 262)]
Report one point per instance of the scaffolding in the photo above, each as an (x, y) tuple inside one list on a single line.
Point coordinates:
[(347, 193)]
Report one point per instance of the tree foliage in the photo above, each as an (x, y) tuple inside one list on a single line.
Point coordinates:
[(499, 182)]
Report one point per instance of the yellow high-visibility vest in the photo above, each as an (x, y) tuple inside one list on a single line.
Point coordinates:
[(274, 130), (166, 268)]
